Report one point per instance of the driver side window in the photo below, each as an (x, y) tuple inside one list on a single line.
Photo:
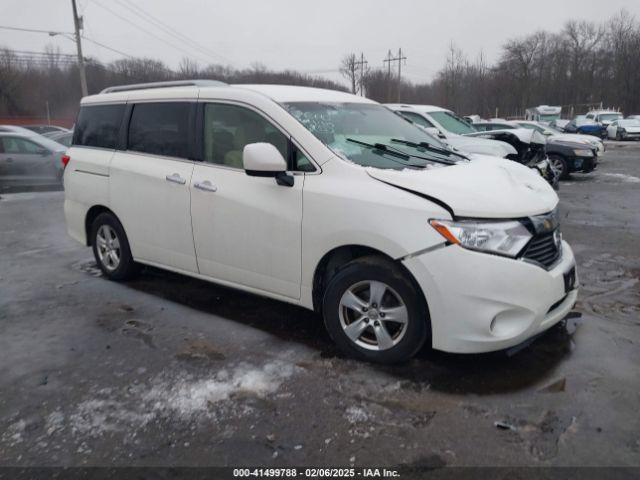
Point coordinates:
[(228, 128)]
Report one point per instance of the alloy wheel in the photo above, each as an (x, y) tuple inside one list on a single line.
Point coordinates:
[(108, 247), (373, 315), (557, 166)]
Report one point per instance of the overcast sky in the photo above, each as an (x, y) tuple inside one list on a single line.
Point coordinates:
[(310, 36)]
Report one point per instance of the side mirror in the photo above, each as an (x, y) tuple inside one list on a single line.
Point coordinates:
[(434, 132), (265, 160)]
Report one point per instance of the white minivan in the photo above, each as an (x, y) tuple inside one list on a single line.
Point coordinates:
[(325, 200)]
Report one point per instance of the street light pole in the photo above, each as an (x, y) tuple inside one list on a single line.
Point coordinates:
[(83, 74)]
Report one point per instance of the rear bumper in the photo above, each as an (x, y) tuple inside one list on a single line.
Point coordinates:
[(481, 303)]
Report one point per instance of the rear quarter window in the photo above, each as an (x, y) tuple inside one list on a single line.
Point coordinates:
[(98, 126)]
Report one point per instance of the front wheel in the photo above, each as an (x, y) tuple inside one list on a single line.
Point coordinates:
[(374, 312), (111, 248), (559, 166)]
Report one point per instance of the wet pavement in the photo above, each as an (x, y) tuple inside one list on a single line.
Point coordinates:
[(168, 370)]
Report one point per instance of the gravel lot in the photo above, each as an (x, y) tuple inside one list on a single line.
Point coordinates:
[(167, 370)]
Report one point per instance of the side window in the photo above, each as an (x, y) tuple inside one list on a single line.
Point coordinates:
[(160, 129), (10, 145), (98, 126), (30, 147), (590, 115), (16, 145), (228, 128), (417, 119), (299, 161)]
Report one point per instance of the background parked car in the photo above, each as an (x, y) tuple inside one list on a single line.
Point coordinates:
[(568, 157), (15, 128), (42, 129), (583, 125), (604, 117), (624, 129), (63, 138), (559, 123), (451, 129), (553, 133), (29, 160)]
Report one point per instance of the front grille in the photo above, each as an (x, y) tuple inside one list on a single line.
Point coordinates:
[(542, 249)]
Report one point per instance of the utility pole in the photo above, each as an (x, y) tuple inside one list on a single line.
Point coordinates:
[(400, 58), (77, 23), (388, 61), (361, 63)]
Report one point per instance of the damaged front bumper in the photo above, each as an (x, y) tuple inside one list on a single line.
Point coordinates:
[(481, 303)]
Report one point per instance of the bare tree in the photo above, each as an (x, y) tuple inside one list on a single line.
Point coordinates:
[(349, 69)]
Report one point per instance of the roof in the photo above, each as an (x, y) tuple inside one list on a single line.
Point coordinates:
[(34, 137), (418, 108), (193, 89), (605, 110), (290, 93)]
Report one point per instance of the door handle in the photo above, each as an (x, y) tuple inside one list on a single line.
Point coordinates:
[(9, 159), (207, 186), (175, 178)]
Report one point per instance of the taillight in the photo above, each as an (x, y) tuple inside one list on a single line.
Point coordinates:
[(65, 159)]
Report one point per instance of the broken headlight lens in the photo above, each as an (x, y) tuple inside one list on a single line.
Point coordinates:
[(494, 236)]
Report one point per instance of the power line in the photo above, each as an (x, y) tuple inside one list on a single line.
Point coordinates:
[(67, 35), (106, 46), (33, 30), (143, 29), (147, 17)]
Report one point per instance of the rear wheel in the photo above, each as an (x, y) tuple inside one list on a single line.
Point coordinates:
[(111, 248), (374, 312), (559, 166)]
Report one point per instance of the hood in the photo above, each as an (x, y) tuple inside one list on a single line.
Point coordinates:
[(487, 187), (632, 129), (485, 146), (525, 135), (574, 137)]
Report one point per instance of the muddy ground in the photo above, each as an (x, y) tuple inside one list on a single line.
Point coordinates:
[(167, 370)]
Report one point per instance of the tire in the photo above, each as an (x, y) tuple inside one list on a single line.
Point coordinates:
[(618, 136), (559, 164), (353, 285), (119, 265)]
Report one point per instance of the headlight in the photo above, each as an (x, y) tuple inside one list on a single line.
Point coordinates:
[(501, 237), (583, 153)]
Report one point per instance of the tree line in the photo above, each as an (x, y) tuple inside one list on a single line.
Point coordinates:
[(585, 64), (29, 87)]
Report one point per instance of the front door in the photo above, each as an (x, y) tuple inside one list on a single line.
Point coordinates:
[(247, 230)]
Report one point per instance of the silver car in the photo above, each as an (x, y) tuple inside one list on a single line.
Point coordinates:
[(29, 160)]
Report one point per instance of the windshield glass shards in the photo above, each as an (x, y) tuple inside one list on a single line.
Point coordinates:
[(367, 135)]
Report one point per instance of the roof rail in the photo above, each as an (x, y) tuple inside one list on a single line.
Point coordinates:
[(173, 83)]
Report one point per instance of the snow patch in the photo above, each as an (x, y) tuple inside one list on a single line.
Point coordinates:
[(355, 414), (188, 397), (623, 177), (167, 396)]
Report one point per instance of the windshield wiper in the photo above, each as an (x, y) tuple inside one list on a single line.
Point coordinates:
[(382, 147), (393, 151), (429, 147)]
